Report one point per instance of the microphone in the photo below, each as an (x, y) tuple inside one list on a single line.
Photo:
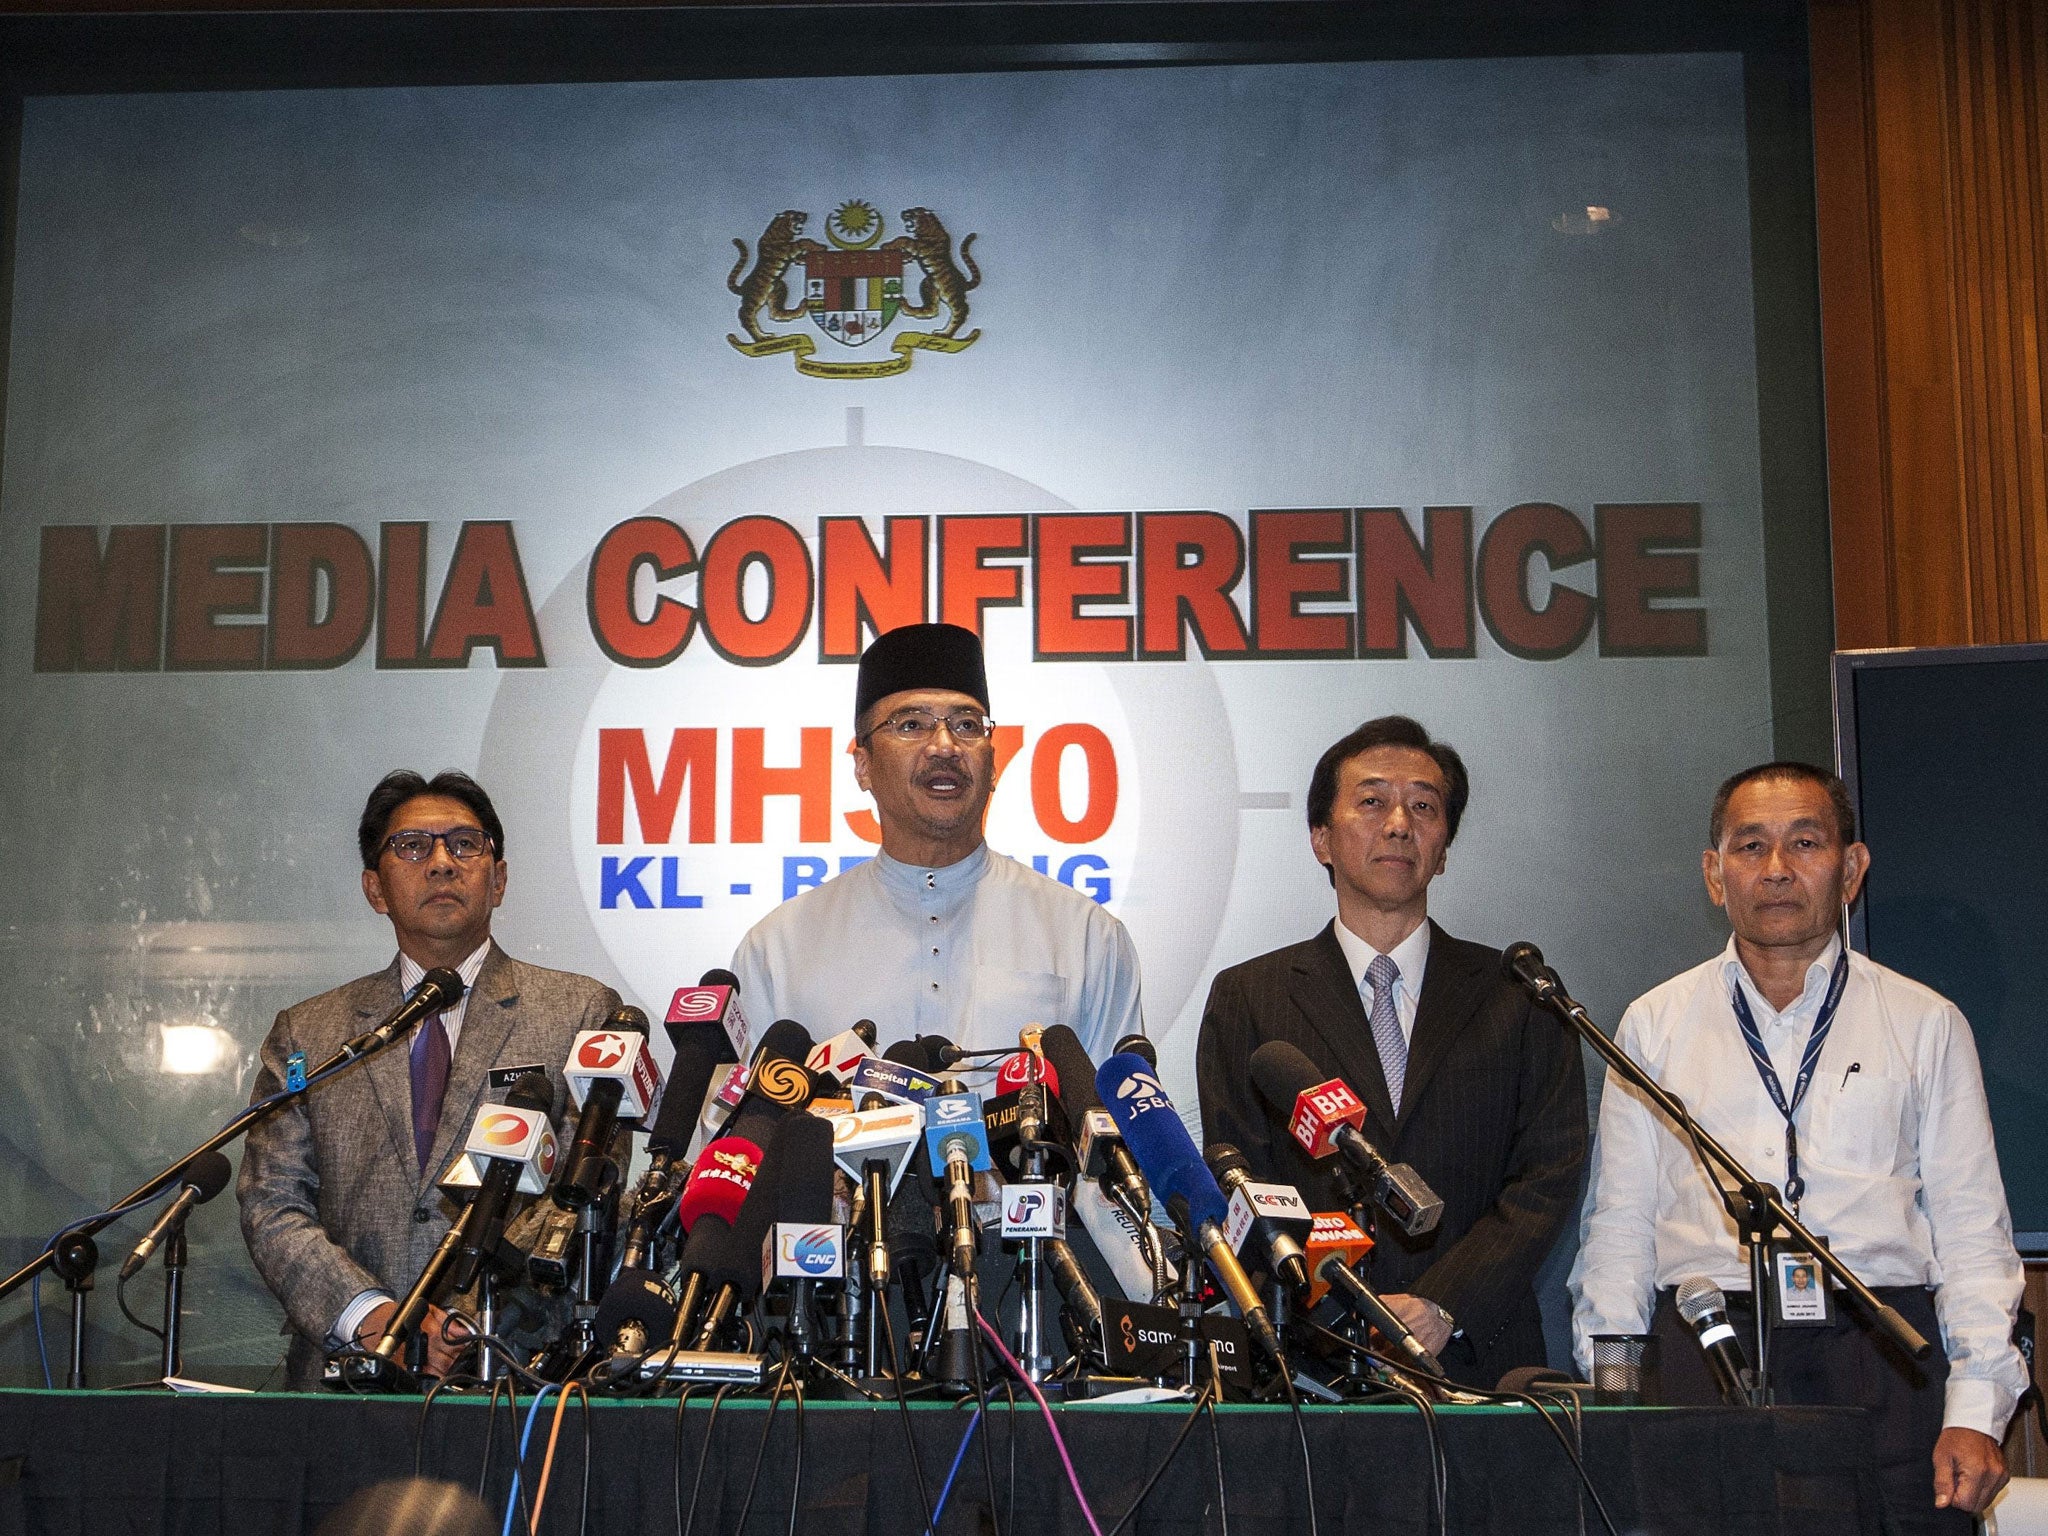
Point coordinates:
[(1102, 1156), (874, 1146), (636, 1310), (837, 1057), (706, 1209), (700, 1047), (511, 1149), (777, 1080), (204, 1177), (1152, 1129), (1276, 1212), (956, 1137), (1522, 963), (511, 1146), (1702, 1305), (735, 1266), (1325, 1116), (714, 1000), (1138, 1045), (1335, 1244), (439, 989), (611, 1075), (1334, 1235)]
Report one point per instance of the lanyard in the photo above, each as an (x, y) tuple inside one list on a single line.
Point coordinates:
[(1809, 1059)]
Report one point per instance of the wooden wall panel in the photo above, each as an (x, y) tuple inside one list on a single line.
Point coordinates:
[(1932, 208)]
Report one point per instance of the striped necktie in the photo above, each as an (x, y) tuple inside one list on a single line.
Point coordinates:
[(1386, 1026)]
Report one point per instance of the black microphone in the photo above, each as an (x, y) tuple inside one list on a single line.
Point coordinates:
[(1102, 1150), (485, 1218), (1322, 1114), (910, 1226), (584, 1164), (1233, 1172), (437, 991), (204, 1177), (1138, 1045), (1367, 1303), (1701, 1304), (777, 1082), (701, 1047), (636, 1312), (735, 1267), (1522, 963)]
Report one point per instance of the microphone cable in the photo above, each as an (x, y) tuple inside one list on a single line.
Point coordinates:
[(782, 1379), (1308, 1471), (924, 1500), (1203, 1399), (685, 1527), (547, 1465), (1051, 1423)]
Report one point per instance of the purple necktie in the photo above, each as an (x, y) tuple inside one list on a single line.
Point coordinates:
[(429, 1086)]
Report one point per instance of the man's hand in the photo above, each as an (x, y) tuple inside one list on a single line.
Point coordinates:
[(441, 1352), (1969, 1469), (1424, 1320)]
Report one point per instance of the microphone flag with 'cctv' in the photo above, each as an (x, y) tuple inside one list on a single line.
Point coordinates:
[(1324, 1116), (1153, 1131)]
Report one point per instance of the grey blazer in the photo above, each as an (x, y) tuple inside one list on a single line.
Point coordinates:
[(334, 1202)]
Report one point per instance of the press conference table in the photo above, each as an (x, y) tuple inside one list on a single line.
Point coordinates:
[(96, 1463)]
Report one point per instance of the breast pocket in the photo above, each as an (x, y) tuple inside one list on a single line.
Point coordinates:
[(1862, 1126), (1005, 1001)]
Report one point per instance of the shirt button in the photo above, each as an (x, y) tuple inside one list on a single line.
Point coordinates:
[(935, 949), (419, 1214)]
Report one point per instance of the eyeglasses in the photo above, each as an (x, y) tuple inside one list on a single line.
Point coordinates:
[(417, 847), (916, 726)]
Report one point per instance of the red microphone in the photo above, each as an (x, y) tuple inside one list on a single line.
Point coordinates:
[(1335, 1235), (1320, 1114), (1016, 1072), (725, 1171)]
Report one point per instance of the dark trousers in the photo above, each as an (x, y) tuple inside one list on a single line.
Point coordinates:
[(1846, 1364)]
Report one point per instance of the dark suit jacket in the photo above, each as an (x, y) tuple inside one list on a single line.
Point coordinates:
[(334, 1202), (1493, 1116)]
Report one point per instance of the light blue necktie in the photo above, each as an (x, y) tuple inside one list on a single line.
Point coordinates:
[(1386, 1027)]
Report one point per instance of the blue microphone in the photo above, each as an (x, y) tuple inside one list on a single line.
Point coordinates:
[(1153, 1131)]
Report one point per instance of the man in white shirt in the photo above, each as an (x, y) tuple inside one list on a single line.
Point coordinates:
[(938, 934), (1888, 1148), (341, 1206)]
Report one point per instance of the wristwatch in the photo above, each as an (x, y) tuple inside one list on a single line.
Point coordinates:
[(1450, 1323)]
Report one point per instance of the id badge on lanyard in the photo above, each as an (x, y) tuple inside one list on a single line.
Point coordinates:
[(1809, 1060)]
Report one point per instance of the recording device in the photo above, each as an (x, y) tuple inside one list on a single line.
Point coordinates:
[(715, 1000), (203, 1177), (637, 1312), (612, 1076), (1705, 1309), (1274, 1213), (1153, 1131), (1324, 1115), (511, 1148)]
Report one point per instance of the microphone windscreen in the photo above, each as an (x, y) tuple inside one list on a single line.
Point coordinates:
[(1153, 1132), (802, 1153), (1223, 1158), (532, 1091), (1697, 1298), (636, 1296), (208, 1173), (448, 986), (910, 1053), (627, 1020), (1281, 1072), (1015, 1072), (725, 1172), (786, 1040), (737, 1260), (1075, 1072), (700, 1049), (1138, 1045), (719, 976), (908, 1225)]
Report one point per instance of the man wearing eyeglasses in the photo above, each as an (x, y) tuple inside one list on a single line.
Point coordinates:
[(341, 1206), (938, 934)]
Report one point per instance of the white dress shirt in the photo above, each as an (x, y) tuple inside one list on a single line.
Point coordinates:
[(1411, 959), (409, 973), (1895, 1146)]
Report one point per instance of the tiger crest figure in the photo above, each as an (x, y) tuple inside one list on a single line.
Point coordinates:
[(853, 290)]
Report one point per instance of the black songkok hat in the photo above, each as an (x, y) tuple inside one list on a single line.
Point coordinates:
[(921, 656)]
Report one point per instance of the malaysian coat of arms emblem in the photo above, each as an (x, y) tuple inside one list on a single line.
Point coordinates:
[(853, 290)]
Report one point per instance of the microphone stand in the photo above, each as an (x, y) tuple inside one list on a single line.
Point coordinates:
[(75, 1258), (1759, 1212), (369, 1043), (174, 1295)]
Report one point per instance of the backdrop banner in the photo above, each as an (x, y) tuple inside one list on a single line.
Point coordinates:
[(581, 436)]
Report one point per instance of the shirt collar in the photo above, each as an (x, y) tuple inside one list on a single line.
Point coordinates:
[(915, 878), (1410, 956), (410, 970), (1818, 974)]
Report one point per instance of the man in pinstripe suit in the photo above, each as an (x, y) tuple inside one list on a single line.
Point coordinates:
[(340, 1203), (1486, 1100)]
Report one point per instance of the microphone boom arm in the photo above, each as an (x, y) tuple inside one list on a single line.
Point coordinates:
[(1757, 1207)]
